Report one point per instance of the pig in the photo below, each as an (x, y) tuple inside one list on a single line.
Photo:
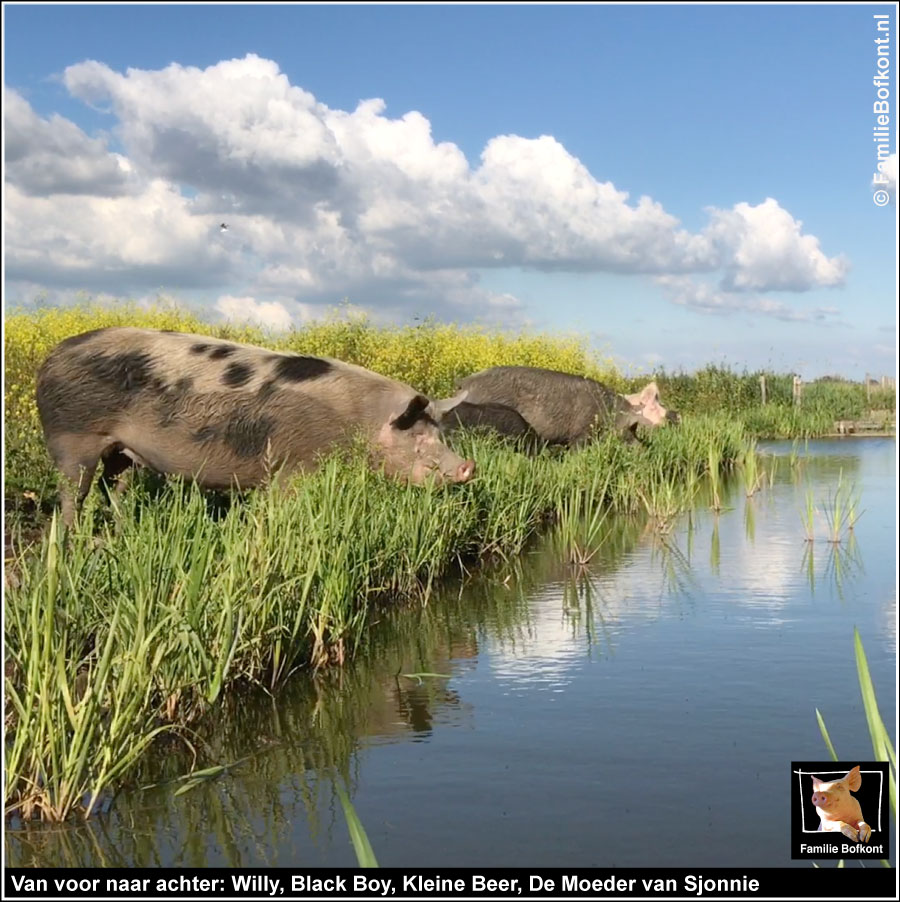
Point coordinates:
[(564, 409), (225, 414), (838, 810), (495, 417)]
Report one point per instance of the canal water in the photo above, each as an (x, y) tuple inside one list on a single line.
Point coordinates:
[(640, 710)]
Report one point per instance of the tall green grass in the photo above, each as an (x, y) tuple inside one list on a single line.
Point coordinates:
[(882, 746)]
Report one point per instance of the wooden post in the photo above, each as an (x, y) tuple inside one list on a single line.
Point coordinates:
[(762, 389), (798, 390), (868, 389)]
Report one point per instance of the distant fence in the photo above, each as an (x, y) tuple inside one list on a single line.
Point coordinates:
[(883, 384), (886, 383)]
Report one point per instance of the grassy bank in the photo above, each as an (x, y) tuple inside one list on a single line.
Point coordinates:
[(115, 635), (430, 357)]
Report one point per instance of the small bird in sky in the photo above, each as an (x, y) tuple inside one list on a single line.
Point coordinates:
[(223, 227)]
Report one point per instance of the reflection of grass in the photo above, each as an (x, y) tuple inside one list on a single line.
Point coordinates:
[(715, 548), (843, 562), (881, 739), (676, 568)]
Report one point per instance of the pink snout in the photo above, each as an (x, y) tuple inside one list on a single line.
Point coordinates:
[(465, 471), (820, 799)]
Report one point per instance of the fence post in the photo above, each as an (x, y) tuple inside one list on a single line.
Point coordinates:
[(762, 389), (797, 390), (868, 389)]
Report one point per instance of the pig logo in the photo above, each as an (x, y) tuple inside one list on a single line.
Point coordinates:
[(838, 810)]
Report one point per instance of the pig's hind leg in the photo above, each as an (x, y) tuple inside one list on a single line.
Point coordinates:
[(77, 457)]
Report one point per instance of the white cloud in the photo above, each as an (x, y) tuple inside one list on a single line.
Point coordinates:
[(701, 297), (268, 314), (762, 248), (101, 242), (54, 156), (324, 204)]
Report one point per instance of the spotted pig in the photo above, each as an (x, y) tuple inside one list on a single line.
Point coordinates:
[(225, 413)]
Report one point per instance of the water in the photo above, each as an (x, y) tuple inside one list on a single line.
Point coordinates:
[(641, 712)]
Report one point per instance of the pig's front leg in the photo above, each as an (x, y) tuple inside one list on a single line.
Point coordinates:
[(860, 834)]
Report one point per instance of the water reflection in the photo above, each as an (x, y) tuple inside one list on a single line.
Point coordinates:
[(696, 652)]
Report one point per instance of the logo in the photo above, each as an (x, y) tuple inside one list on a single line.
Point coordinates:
[(839, 810)]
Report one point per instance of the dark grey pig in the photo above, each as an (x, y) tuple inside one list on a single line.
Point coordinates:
[(495, 417), (225, 413), (565, 409)]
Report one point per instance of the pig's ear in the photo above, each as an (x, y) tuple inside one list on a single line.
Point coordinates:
[(816, 782), (411, 414), (441, 408), (647, 395), (854, 779)]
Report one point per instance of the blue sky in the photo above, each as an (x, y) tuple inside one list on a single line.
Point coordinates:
[(678, 184)]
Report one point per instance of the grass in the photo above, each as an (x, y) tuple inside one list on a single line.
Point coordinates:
[(365, 857), (839, 511), (753, 474), (882, 746), (714, 467), (808, 515)]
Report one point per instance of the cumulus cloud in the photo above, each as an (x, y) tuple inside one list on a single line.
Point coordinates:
[(323, 204), (54, 156), (268, 314), (701, 297), (149, 238), (762, 248)]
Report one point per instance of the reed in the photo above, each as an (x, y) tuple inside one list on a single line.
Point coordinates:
[(751, 469), (808, 515), (365, 856), (840, 510), (714, 466), (882, 745)]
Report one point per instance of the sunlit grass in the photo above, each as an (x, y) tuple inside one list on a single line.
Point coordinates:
[(882, 746)]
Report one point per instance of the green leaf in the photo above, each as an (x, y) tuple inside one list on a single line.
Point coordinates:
[(364, 854), (825, 736)]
